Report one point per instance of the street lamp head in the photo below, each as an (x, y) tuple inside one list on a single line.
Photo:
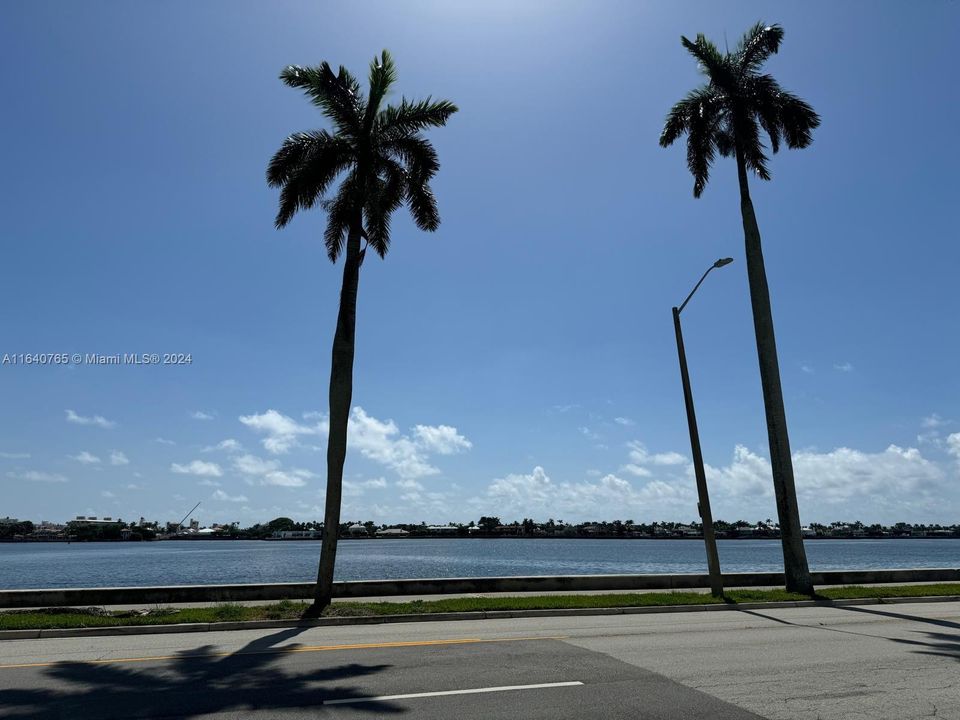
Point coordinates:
[(719, 263)]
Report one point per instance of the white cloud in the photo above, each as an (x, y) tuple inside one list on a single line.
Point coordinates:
[(889, 486), (588, 433), (252, 465), (409, 484), (440, 439), (197, 467), (669, 458), (132, 486), (107, 494), (295, 477), (164, 441), (747, 476), (640, 456), (953, 444), (85, 458), (282, 432), (382, 443), (934, 421), (843, 367), (896, 484), (201, 415), (97, 420), (353, 488), (229, 445), (118, 458), (270, 472), (221, 495), (14, 456), (36, 476), (535, 494), (625, 421), (807, 369), (209, 483)]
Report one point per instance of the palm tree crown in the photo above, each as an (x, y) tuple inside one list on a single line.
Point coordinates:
[(726, 114), (383, 159)]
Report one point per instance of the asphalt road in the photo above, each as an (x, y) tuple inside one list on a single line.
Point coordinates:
[(894, 661)]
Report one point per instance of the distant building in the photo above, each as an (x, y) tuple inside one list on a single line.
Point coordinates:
[(443, 529), (92, 520), (392, 533), (357, 529), (8, 521), (296, 535)]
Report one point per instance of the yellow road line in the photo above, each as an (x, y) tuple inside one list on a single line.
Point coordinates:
[(284, 651)]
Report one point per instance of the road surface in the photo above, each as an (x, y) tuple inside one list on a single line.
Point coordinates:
[(889, 661)]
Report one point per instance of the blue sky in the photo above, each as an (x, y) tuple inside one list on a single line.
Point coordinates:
[(520, 361)]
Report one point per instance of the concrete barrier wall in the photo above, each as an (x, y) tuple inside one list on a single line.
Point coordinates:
[(441, 586)]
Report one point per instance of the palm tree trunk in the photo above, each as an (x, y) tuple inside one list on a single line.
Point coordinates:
[(341, 395), (794, 556)]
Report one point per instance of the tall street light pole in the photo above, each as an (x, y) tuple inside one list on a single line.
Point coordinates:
[(706, 516)]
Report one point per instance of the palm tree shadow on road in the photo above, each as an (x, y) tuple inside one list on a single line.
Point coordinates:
[(938, 643), (193, 682), (943, 644)]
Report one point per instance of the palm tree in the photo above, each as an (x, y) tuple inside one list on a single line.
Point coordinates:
[(726, 116), (382, 161)]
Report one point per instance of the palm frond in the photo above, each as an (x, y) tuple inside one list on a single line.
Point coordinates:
[(797, 119), (396, 121), (725, 142), (697, 102), (383, 74), (747, 135), (701, 148), (382, 200), (676, 123), (342, 212), (726, 116), (714, 64), (304, 167), (423, 206), (297, 150), (382, 143), (757, 44), (416, 153), (762, 93), (337, 95)]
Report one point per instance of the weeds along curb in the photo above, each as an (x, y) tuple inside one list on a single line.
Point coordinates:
[(451, 616)]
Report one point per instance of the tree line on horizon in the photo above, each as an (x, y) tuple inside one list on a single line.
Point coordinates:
[(376, 160), (486, 527)]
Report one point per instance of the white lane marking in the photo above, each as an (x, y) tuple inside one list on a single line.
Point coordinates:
[(471, 691)]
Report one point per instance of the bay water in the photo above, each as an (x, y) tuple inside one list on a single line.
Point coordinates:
[(201, 562)]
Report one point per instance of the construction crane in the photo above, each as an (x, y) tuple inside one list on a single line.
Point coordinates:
[(180, 524)]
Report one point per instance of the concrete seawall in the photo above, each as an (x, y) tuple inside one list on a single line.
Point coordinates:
[(440, 586)]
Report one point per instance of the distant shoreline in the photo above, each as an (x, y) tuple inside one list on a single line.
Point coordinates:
[(62, 541)]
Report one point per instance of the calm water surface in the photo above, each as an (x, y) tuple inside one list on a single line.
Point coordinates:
[(39, 565)]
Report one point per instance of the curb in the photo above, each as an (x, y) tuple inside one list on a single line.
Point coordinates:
[(442, 617)]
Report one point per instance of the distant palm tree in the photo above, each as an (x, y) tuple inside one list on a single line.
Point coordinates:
[(726, 116), (384, 162)]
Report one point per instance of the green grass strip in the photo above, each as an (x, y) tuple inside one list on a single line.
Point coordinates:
[(292, 610)]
